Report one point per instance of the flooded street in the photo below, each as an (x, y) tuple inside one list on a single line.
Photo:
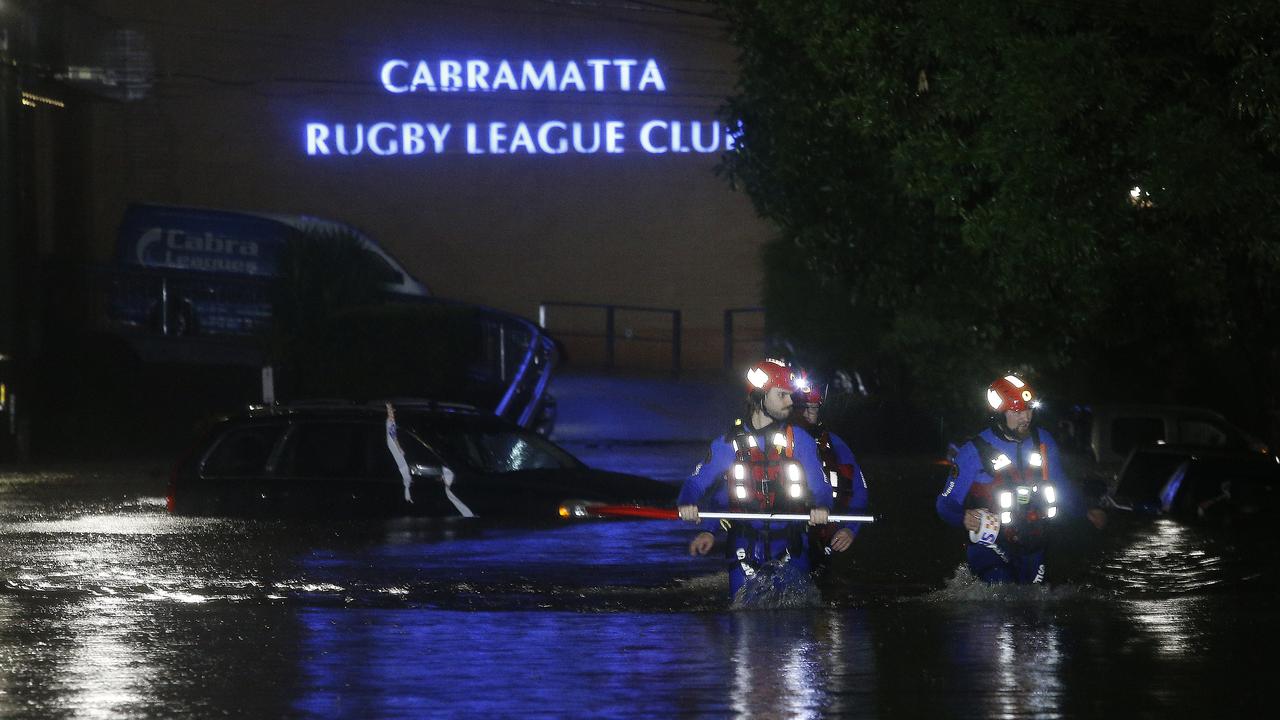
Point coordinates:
[(110, 607)]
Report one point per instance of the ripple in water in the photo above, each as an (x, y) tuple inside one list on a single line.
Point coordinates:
[(1167, 557), (778, 586), (964, 586)]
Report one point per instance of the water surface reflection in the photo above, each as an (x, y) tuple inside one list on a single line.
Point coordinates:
[(111, 608)]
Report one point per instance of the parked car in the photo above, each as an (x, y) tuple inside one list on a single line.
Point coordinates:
[(333, 459), (1197, 483)]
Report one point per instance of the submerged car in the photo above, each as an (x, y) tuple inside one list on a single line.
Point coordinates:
[(1099, 441), (1196, 483), (1106, 433), (334, 459)]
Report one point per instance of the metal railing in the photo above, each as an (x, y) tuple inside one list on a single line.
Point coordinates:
[(610, 334)]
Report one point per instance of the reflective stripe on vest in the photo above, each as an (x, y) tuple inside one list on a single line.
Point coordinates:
[(769, 478), (1020, 496), (838, 476)]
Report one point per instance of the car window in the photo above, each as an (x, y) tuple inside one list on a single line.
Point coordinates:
[(1130, 432), (243, 452), (496, 450), (327, 450), (380, 464), (378, 267), (416, 450), (1146, 473), (1201, 434), (381, 269)]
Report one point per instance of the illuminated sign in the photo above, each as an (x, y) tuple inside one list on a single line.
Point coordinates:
[(401, 77)]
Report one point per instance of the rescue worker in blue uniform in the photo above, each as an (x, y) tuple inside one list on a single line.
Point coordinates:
[(849, 493), (763, 464), (1006, 488)]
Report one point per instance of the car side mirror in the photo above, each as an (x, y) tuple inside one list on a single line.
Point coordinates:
[(420, 470)]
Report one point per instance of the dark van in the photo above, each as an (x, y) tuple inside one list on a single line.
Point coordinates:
[(189, 271)]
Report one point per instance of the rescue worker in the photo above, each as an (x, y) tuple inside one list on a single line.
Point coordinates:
[(839, 468), (1007, 489), (763, 464)]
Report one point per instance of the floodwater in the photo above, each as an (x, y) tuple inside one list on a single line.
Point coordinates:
[(109, 607)]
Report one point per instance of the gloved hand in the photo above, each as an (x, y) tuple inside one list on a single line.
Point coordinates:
[(818, 516), (688, 513)]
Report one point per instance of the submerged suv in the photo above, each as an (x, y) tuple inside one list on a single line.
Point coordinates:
[(1117, 429), (333, 459), (1179, 460)]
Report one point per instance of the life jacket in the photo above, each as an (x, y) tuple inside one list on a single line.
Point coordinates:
[(768, 478), (764, 479), (838, 475), (1022, 497)]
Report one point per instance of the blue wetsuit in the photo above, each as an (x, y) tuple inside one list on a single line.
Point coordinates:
[(1004, 562), (859, 498), (850, 497), (707, 489)]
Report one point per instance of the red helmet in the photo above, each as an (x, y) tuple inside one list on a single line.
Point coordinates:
[(806, 394), (768, 374), (1010, 393), (803, 391)]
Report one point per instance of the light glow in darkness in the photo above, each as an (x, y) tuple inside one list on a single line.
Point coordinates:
[(514, 136), (548, 76)]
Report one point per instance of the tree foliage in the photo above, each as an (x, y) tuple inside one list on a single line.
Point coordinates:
[(956, 180)]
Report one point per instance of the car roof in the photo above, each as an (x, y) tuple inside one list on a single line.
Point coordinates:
[(1180, 411), (407, 409)]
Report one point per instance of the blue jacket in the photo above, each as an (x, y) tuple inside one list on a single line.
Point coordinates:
[(859, 498), (706, 487), (971, 468)]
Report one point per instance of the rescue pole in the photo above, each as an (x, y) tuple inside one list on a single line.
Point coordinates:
[(655, 513)]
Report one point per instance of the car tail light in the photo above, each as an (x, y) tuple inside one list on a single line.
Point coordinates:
[(172, 489), (171, 492)]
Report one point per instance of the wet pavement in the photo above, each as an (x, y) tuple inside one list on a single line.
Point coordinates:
[(110, 607)]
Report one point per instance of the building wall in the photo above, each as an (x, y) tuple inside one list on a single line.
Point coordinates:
[(236, 81)]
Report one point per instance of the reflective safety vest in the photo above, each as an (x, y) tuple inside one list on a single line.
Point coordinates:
[(839, 476), (769, 478), (1022, 497)]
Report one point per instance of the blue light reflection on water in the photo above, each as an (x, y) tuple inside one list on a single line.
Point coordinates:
[(586, 566), (401, 663), (1035, 657), (111, 608)]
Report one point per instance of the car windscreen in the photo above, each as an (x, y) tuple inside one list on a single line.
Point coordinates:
[(496, 450)]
